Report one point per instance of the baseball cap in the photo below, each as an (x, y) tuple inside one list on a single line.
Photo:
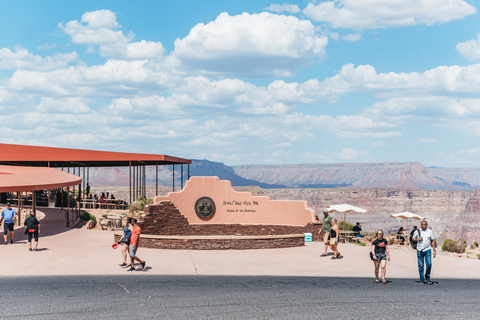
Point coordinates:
[(8, 204)]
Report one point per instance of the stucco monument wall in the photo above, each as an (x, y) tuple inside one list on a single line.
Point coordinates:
[(209, 200)]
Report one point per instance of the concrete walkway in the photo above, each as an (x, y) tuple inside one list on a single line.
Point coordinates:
[(65, 251)]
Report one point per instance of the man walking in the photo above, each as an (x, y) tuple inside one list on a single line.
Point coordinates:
[(9, 215), (327, 225), (425, 242), (134, 242)]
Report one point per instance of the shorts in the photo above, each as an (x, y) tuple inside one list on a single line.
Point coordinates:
[(333, 241), (132, 250), (381, 256), (34, 234), (326, 237), (8, 227)]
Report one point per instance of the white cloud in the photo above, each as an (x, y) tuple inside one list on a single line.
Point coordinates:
[(285, 7), (342, 126), (99, 28), (470, 49), (432, 107), (347, 154), (256, 45), (114, 78), (352, 37), (334, 35), (21, 59), (71, 105), (426, 140), (373, 14), (47, 46)]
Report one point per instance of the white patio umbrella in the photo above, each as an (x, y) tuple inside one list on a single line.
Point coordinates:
[(407, 215), (345, 208)]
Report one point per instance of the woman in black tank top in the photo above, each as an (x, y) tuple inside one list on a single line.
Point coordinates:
[(380, 255), (334, 235)]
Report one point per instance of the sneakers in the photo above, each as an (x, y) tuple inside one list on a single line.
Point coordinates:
[(144, 265), (11, 240), (30, 249), (132, 269), (123, 265), (429, 281)]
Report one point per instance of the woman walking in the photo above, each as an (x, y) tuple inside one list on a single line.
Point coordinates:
[(127, 232), (334, 237), (32, 228), (380, 254)]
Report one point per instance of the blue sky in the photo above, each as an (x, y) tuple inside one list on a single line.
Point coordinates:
[(251, 82)]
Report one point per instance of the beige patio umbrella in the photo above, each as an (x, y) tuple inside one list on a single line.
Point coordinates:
[(345, 208), (407, 215)]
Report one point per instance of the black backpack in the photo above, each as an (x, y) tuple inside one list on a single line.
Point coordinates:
[(414, 243)]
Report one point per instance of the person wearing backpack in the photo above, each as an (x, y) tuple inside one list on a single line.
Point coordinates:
[(424, 241)]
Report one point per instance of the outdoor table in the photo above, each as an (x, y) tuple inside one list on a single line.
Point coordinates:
[(115, 220), (346, 235)]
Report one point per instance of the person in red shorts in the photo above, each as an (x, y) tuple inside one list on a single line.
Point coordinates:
[(134, 242)]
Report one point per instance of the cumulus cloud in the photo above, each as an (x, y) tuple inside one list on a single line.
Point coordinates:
[(285, 7), (343, 126), (347, 154), (114, 78), (21, 59), (72, 105), (470, 49), (352, 37), (100, 28), (255, 45), (373, 14), (432, 107)]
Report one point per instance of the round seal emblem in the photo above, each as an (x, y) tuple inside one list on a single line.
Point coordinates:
[(205, 207)]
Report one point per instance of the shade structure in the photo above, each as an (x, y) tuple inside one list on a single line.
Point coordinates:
[(407, 215), (18, 178), (345, 208)]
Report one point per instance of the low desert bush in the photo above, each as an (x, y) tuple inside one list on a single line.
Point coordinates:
[(478, 255), (348, 225), (85, 216), (457, 246)]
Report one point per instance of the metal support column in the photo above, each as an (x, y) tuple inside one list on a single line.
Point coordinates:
[(181, 174), (156, 179), (173, 178), (130, 180)]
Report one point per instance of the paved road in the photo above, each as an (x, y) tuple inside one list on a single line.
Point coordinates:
[(138, 296)]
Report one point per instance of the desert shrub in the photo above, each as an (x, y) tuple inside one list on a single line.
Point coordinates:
[(348, 225), (446, 243), (457, 246), (139, 205), (478, 255), (475, 244), (391, 240), (85, 216), (362, 244)]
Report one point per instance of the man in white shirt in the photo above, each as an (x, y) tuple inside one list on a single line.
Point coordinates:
[(425, 242)]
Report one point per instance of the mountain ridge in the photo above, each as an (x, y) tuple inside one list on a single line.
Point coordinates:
[(350, 175)]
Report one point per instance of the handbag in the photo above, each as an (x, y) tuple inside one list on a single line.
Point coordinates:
[(371, 256)]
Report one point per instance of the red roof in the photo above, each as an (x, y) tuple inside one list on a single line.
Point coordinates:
[(62, 157), (17, 178)]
